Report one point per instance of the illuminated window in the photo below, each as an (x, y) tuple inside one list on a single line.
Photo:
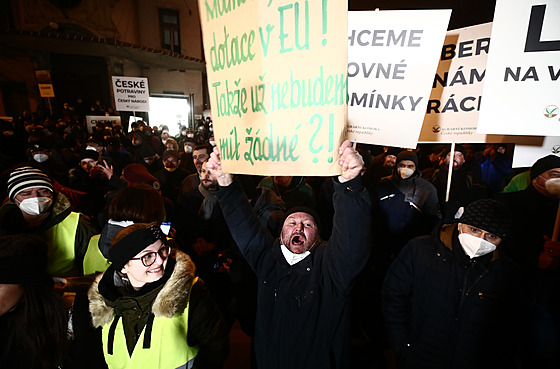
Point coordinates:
[(169, 26)]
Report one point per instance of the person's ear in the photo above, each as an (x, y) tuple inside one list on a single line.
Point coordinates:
[(124, 269)]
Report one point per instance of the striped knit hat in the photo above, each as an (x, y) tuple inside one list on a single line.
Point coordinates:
[(27, 177)]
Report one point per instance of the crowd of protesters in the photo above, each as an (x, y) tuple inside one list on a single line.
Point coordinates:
[(384, 267)]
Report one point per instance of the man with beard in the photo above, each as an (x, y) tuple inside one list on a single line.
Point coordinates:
[(201, 153), (465, 184), (303, 282), (203, 233)]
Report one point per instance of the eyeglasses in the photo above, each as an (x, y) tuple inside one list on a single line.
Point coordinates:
[(149, 258)]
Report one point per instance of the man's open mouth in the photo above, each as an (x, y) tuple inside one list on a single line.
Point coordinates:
[(297, 240)]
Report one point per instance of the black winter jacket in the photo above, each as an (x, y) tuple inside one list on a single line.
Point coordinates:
[(301, 317), (445, 310)]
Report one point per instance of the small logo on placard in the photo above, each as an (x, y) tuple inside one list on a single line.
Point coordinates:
[(556, 149), (436, 129), (550, 111)]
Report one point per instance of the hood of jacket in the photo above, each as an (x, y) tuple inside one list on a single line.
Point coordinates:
[(170, 300), (107, 234)]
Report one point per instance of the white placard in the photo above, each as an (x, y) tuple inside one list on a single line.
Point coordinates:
[(526, 155), (92, 120), (521, 93), (392, 58), (131, 93)]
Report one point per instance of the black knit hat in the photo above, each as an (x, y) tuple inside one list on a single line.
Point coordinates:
[(304, 209), (408, 155), (128, 247), (462, 150), (489, 215), (24, 178), (89, 154), (543, 164), (392, 151)]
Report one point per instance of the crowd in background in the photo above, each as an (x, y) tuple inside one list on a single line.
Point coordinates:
[(109, 178)]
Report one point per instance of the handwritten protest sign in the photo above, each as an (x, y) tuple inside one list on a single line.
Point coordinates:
[(392, 58), (521, 93), (277, 82), (131, 93)]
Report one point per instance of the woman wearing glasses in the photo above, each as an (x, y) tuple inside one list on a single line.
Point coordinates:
[(153, 311)]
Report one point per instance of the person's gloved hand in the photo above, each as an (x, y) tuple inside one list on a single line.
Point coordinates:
[(550, 256)]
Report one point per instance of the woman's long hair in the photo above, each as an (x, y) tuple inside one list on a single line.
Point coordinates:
[(39, 321)]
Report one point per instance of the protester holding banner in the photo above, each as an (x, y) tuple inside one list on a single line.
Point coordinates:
[(304, 282)]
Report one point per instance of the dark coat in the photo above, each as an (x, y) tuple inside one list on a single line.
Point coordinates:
[(445, 310), (403, 209), (302, 309)]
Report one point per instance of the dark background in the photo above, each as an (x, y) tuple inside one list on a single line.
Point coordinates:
[(465, 13)]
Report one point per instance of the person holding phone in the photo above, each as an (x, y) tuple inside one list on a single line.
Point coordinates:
[(152, 310)]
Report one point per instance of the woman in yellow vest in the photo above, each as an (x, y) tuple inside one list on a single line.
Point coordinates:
[(153, 311)]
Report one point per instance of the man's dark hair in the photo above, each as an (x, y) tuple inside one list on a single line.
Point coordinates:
[(208, 148)]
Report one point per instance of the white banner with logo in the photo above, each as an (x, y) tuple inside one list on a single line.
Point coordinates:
[(392, 58), (525, 155), (521, 93), (131, 93)]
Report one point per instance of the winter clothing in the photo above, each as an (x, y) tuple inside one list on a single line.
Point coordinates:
[(544, 164), (403, 209), (489, 215), (533, 219), (167, 324), (122, 251), (25, 178), (67, 234), (301, 319), (298, 193), (443, 309)]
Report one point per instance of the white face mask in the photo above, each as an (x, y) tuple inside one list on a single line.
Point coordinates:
[(552, 186), (40, 158), (474, 246), (35, 205), (405, 172)]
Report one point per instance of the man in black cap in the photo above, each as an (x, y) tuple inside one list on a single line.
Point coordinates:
[(303, 282), (449, 298), (534, 213)]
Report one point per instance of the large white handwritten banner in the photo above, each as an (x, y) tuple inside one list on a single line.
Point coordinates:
[(277, 82), (521, 93), (392, 59)]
